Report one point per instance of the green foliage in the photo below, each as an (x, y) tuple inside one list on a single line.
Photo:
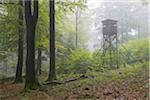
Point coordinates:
[(137, 71), (96, 59), (79, 61), (136, 51), (62, 24), (42, 39), (8, 28)]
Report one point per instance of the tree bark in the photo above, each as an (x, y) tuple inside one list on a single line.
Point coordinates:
[(39, 62), (52, 74), (31, 21), (18, 77)]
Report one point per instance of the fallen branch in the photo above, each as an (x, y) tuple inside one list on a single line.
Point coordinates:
[(55, 82), (74, 79)]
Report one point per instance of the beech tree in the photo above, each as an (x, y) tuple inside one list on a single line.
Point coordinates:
[(20, 44), (31, 21), (52, 74)]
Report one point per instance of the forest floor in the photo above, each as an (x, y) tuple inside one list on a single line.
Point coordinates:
[(124, 84)]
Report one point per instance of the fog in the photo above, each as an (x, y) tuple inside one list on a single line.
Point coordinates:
[(131, 16)]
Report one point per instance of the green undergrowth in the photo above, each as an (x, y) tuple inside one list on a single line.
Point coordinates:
[(133, 77), (138, 74)]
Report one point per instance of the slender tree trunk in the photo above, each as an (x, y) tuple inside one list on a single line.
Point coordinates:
[(20, 44), (31, 21), (77, 24), (39, 62), (76, 28), (52, 74)]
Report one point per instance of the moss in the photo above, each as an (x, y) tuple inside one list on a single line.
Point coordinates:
[(51, 78), (31, 83)]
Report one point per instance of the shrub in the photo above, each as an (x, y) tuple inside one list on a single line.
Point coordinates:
[(79, 61)]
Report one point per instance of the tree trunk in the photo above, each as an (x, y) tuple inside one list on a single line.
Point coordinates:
[(31, 21), (76, 14), (39, 62), (18, 77), (52, 74)]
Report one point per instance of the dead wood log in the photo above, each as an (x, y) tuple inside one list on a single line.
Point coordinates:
[(55, 82)]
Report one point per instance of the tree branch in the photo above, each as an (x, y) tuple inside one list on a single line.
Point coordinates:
[(36, 10), (28, 7)]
